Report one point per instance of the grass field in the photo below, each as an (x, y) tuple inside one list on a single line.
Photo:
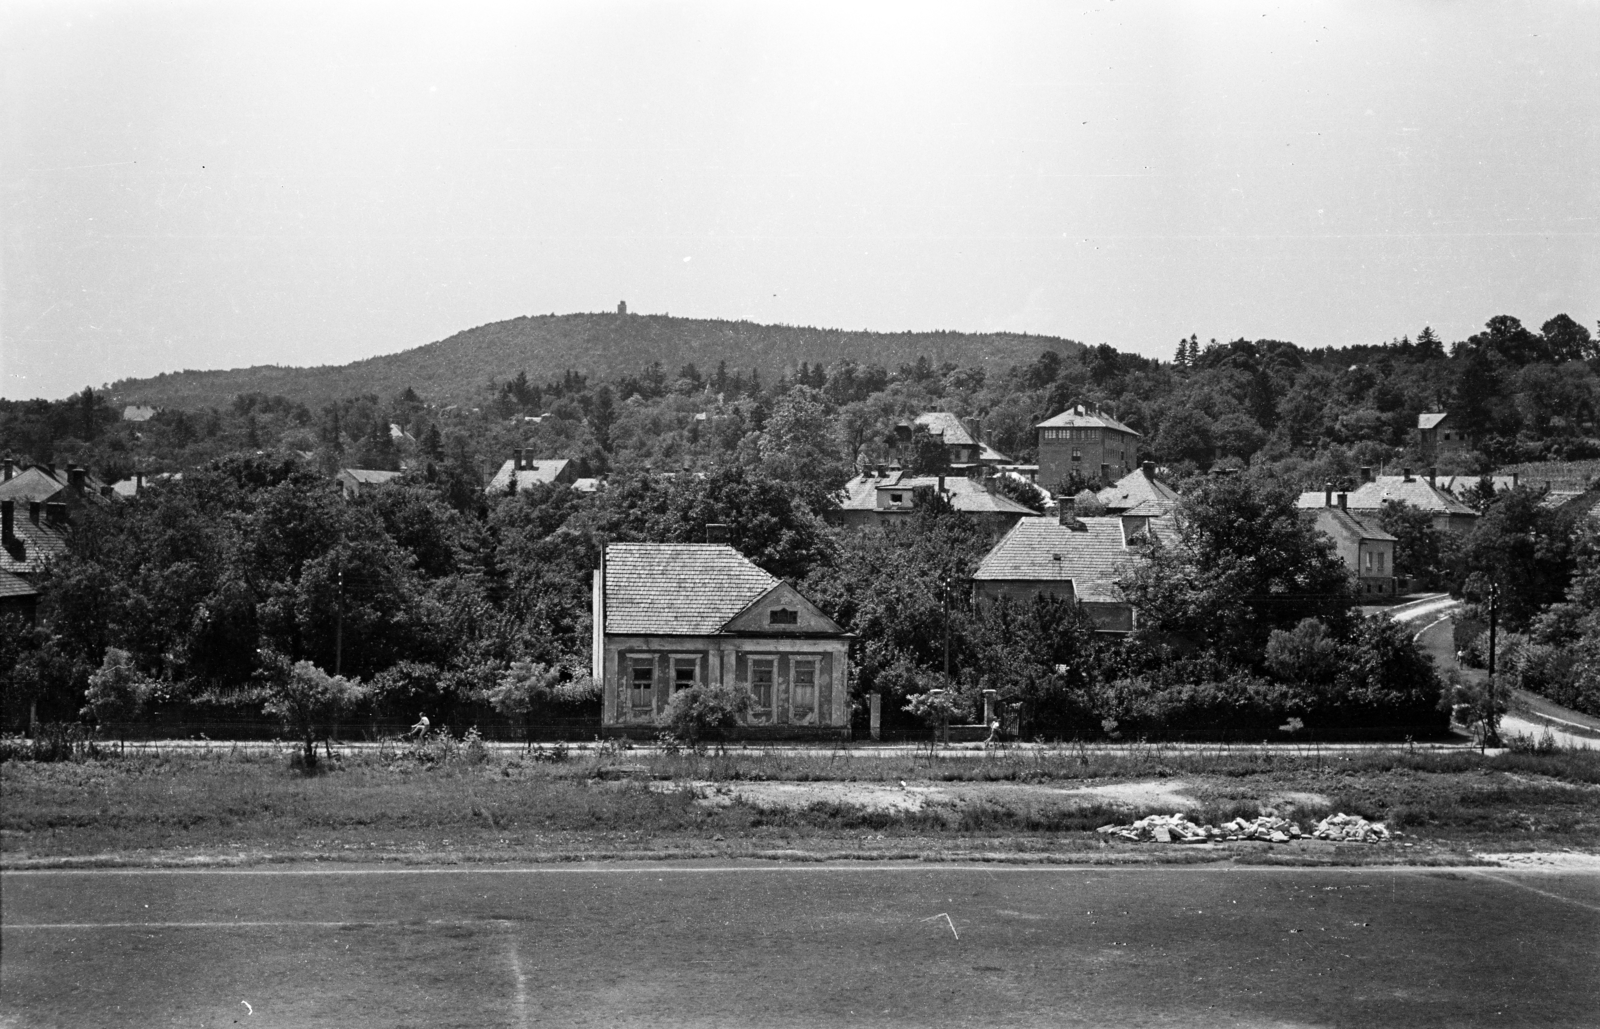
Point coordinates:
[(774, 945), (505, 806)]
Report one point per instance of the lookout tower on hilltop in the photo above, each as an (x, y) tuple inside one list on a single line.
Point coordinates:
[(622, 307)]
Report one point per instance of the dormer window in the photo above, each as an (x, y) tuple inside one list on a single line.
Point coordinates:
[(897, 498), (783, 616)]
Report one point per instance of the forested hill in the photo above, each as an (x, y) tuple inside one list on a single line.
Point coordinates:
[(601, 345)]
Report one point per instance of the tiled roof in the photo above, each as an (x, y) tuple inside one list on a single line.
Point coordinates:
[(32, 484), (1044, 550), (1417, 493), (1135, 489), (947, 426), (34, 544), (138, 413), (13, 585), (532, 474), (371, 476), (1078, 418), (965, 495), (1351, 526), (678, 588), (1431, 419)]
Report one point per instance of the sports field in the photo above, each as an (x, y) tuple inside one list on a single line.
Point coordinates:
[(800, 945)]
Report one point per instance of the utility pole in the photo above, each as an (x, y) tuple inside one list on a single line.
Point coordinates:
[(1491, 731), (944, 592), (338, 631)]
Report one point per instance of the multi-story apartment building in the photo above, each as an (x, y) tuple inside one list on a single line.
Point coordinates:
[(1091, 443)]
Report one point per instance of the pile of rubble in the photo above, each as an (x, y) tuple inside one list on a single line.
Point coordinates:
[(1350, 829), (1267, 828)]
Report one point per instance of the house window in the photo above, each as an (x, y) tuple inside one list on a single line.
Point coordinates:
[(1380, 562), (897, 498), (642, 679), (685, 672), (763, 674), (1077, 455), (803, 695), (783, 616)]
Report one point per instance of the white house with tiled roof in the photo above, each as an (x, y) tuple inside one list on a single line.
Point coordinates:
[(523, 471), (1074, 558), (1364, 547), (890, 497), (1139, 489), (672, 615), (1448, 513), (1091, 443)]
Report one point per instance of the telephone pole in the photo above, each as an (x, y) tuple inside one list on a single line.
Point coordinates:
[(1491, 730), (338, 631)]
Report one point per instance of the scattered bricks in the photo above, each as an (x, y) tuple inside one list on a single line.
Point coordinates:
[(1342, 828), (1178, 829)]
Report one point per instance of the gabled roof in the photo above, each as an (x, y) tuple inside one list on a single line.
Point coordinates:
[(1351, 527), (32, 484), (965, 495), (532, 473), (948, 426), (1043, 550), (13, 585), (678, 589), (1136, 489), (138, 413), (370, 476), (1417, 492), (1078, 418), (34, 544), (1431, 419)]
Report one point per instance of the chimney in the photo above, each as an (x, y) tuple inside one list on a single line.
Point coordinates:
[(1433, 476), (11, 469), (1149, 469), (1067, 514), (138, 482), (1344, 501), (1327, 494), (1514, 477), (8, 521), (33, 511), (77, 476), (941, 484), (55, 513), (717, 532), (1366, 473), (1407, 476)]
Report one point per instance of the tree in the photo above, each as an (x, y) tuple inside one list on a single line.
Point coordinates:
[(1244, 564), (522, 689), (797, 444), (929, 455), (603, 417), (308, 700), (1419, 549), (1525, 548), (117, 692)]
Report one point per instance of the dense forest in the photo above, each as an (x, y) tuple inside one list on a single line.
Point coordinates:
[(433, 592), (597, 345)]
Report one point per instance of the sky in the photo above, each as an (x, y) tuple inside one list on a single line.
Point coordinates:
[(218, 184)]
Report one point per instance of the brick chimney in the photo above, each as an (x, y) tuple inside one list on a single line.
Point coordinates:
[(1366, 473), (1433, 476), (138, 482), (11, 469), (1067, 514), (941, 484), (1149, 469), (77, 477), (1344, 501), (1327, 494), (34, 507), (8, 521), (1407, 475), (716, 532)]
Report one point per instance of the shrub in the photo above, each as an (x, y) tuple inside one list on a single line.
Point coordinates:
[(118, 692), (693, 711)]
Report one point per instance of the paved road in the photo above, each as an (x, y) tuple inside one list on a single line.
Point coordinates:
[(777, 945)]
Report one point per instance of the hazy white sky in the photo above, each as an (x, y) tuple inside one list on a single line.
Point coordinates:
[(213, 184)]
